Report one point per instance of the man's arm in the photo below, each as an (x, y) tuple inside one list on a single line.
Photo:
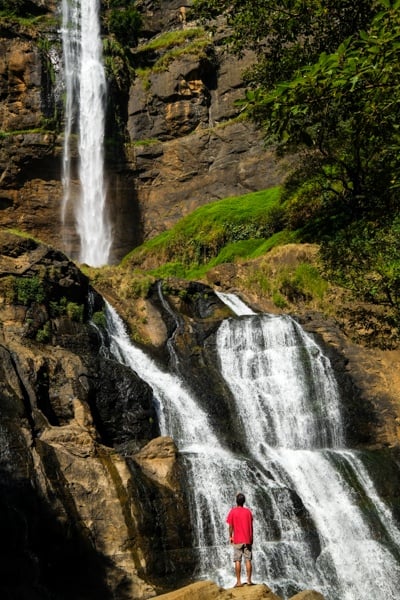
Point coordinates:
[(231, 534)]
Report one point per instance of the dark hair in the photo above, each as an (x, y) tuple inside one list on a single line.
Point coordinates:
[(240, 499)]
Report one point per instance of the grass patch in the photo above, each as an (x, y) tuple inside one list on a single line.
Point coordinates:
[(171, 39), (166, 59), (201, 236), (228, 230), (6, 134), (145, 142)]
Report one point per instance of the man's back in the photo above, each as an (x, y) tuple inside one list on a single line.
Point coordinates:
[(241, 520)]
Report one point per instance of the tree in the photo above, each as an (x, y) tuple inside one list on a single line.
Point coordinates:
[(286, 34), (329, 90), (344, 111)]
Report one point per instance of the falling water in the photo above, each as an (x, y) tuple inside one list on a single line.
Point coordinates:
[(85, 108), (304, 487)]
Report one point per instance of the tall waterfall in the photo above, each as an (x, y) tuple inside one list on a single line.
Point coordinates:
[(305, 488), (85, 86)]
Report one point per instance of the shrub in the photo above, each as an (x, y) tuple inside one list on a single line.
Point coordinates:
[(99, 319), (44, 334), (75, 311), (29, 290)]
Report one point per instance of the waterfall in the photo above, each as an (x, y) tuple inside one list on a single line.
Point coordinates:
[(236, 305), (85, 86), (305, 488)]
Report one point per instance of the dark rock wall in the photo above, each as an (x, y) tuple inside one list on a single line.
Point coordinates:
[(79, 515)]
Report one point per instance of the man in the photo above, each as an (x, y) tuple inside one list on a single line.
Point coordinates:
[(240, 521)]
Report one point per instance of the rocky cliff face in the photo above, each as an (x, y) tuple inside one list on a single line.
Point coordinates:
[(91, 499), (179, 143)]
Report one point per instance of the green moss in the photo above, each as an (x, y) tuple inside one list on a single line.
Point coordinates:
[(58, 307), (197, 47)]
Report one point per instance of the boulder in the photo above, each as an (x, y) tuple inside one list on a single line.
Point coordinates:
[(308, 595), (208, 590)]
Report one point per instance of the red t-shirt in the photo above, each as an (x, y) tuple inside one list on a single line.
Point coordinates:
[(241, 520)]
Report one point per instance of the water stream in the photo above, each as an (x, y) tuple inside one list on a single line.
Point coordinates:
[(305, 487), (85, 87)]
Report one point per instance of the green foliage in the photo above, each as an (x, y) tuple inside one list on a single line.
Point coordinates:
[(172, 39), (12, 7), (199, 237), (341, 108), (166, 48), (44, 334), (117, 63), (75, 311), (99, 319), (122, 24), (286, 34), (303, 284), (122, 20), (327, 86), (125, 24), (279, 300), (58, 308), (29, 290), (198, 48), (366, 259), (140, 286)]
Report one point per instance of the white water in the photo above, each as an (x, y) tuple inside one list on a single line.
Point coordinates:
[(85, 102), (235, 304), (287, 410)]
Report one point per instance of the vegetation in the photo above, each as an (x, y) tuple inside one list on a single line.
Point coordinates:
[(29, 290), (122, 20), (172, 39), (326, 86), (201, 236), (167, 47)]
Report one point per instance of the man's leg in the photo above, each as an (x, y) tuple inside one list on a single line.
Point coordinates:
[(249, 570), (238, 568)]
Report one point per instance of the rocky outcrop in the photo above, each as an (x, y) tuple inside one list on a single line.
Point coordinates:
[(86, 506), (207, 590)]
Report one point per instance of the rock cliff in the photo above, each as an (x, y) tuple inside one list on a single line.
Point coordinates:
[(91, 498), (178, 143)]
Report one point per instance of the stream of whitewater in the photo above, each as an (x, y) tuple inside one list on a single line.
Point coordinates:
[(85, 87), (305, 488)]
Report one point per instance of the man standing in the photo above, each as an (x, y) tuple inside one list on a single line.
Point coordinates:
[(240, 521)]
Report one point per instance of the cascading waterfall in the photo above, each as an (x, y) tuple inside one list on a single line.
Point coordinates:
[(304, 487), (85, 107)]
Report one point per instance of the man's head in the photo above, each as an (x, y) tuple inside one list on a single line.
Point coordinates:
[(240, 499)]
